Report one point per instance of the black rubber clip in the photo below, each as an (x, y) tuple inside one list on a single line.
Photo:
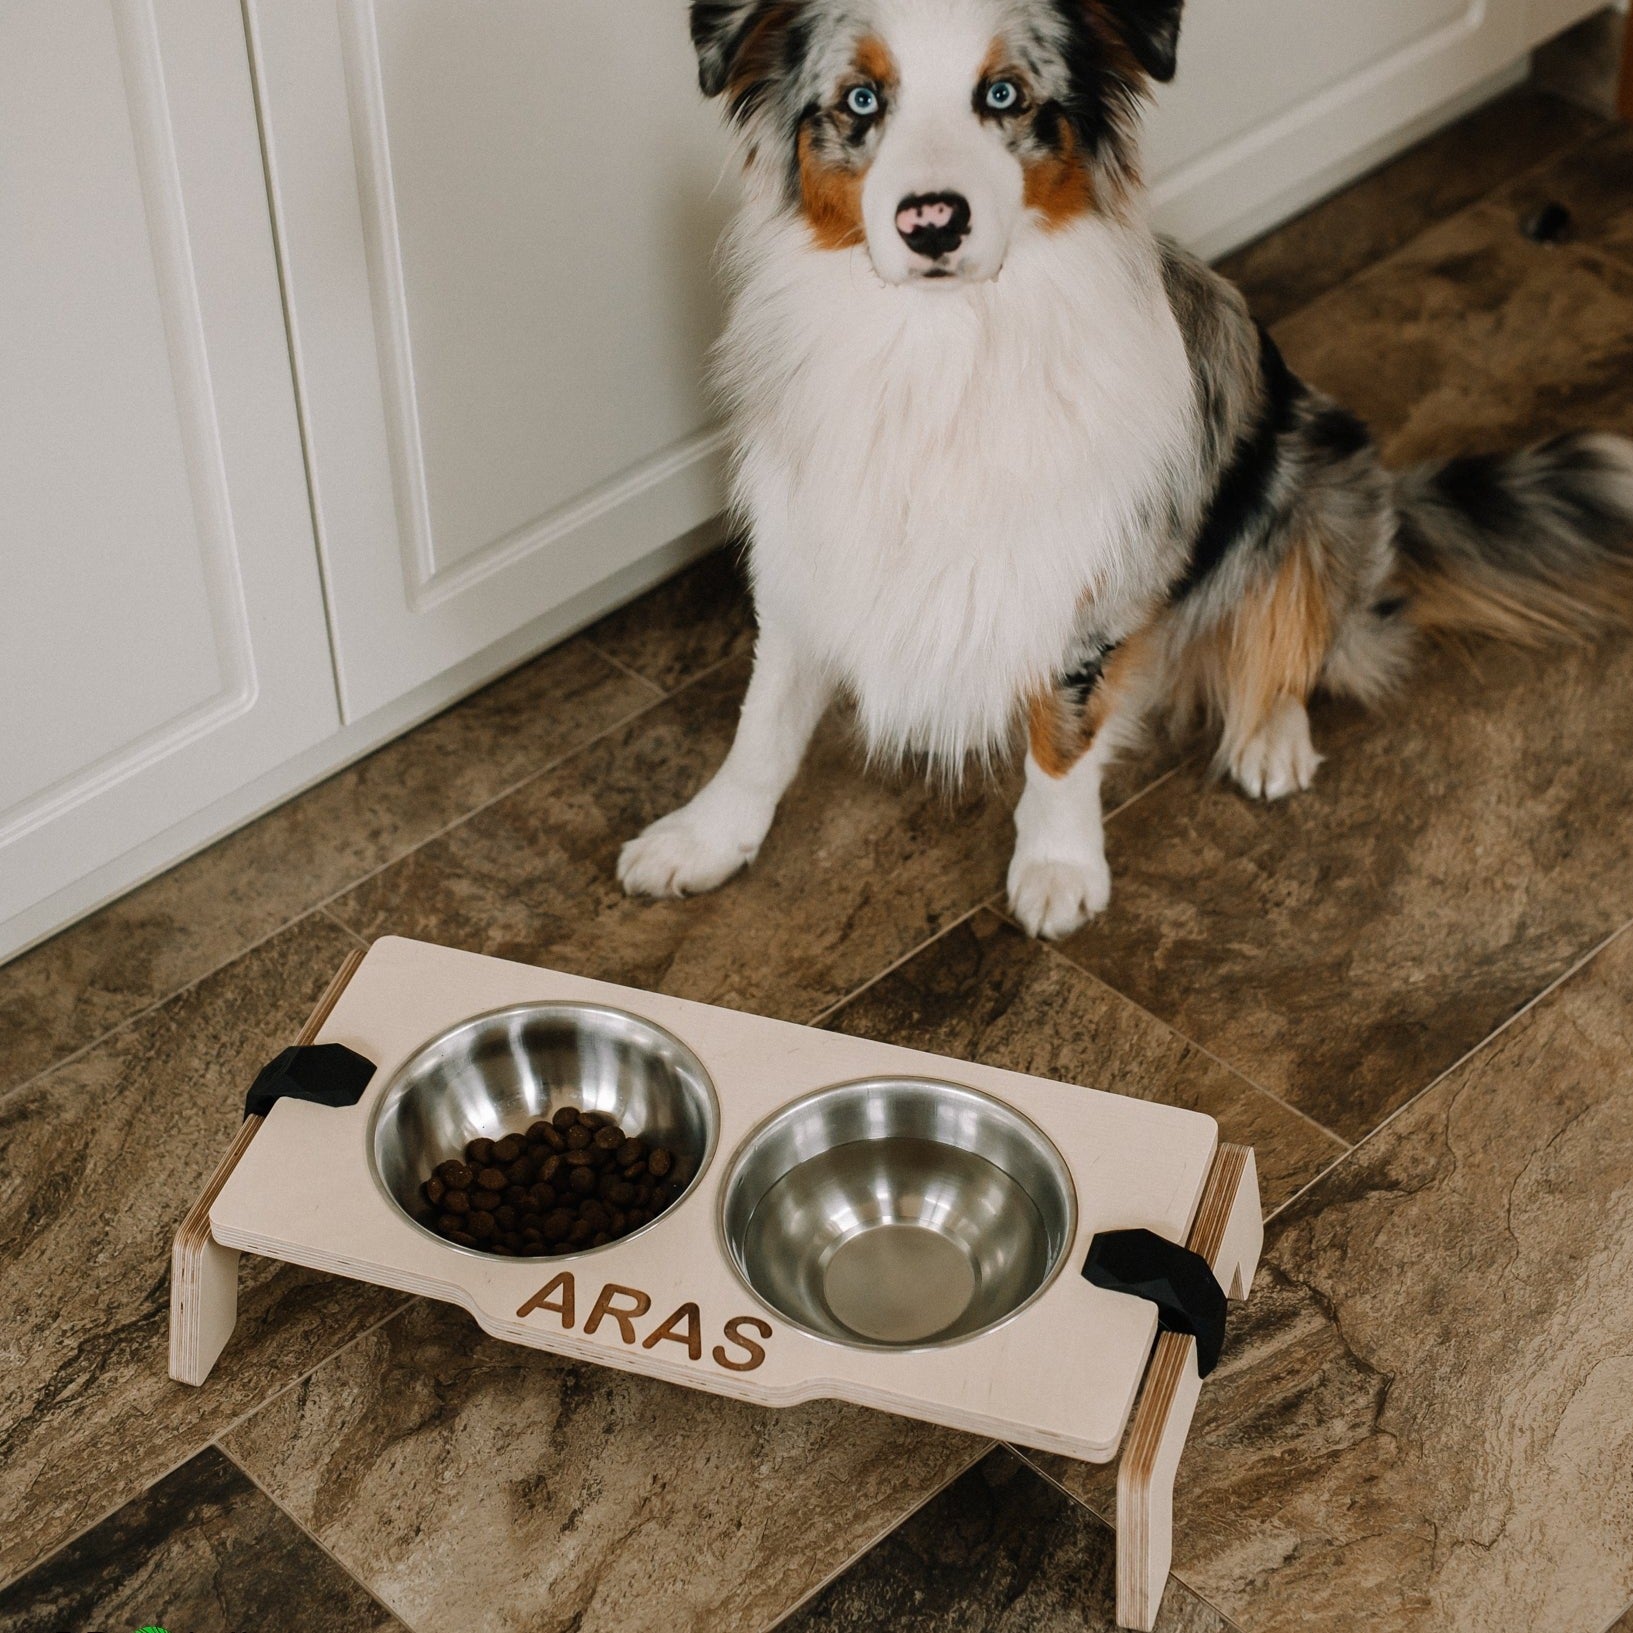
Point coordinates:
[(1179, 1282), (328, 1074)]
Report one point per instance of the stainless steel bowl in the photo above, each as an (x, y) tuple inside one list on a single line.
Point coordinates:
[(898, 1213), (496, 1073)]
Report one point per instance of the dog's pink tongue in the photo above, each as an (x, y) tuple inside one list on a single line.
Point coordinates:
[(923, 215)]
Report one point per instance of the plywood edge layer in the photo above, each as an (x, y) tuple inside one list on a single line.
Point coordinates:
[(203, 1272)]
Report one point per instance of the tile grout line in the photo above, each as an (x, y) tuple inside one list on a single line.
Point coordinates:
[(408, 1303), (85, 1530), (317, 1542), (312, 912), (1167, 1026), (324, 903), (1026, 1455), (1151, 787), (522, 782), (1617, 1621), (884, 1536), (824, 1015), (1025, 1458), (1457, 1065), (1206, 1053), (634, 674), (997, 897), (345, 929)]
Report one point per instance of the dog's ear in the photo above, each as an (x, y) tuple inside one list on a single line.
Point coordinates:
[(1151, 30), (724, 31)]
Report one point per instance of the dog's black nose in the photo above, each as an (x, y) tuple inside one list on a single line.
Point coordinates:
[(933, 224)]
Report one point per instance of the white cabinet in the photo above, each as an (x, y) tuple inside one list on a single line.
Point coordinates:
[(162, 636), (497, 225), (1278, 101)]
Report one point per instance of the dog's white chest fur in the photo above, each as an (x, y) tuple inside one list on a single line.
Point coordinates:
[(940, 484)]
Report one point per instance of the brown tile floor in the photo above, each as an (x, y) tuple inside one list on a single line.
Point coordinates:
[(1411, 989), (202, 1551)]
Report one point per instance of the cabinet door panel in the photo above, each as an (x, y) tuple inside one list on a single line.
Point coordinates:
[(164, 639), (498, 225)]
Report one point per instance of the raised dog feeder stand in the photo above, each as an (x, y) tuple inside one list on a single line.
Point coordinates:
[(866, 1223)]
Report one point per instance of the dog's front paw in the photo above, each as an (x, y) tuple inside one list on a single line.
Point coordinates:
[(684, 854), (1051, 899), (1279, 759)]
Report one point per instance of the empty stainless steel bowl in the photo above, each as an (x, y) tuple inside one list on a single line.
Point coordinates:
[(497, 1073), (898, 1213)]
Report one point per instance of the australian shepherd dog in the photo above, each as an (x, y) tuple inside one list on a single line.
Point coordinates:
[(1010, 463)]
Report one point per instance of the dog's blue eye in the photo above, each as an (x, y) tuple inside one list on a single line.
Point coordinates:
[(1003, 95), (863, 101)]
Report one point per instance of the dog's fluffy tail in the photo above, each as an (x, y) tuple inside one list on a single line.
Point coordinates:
[(1535, 548)]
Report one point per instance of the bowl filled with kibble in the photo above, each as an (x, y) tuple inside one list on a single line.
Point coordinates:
[(542, 1130)]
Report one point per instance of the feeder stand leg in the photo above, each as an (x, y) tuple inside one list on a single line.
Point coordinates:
[(1228, 1233), (204, 1279), (203, 1273)]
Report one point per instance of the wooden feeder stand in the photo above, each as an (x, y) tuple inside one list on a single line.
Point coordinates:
[(301, 1185)]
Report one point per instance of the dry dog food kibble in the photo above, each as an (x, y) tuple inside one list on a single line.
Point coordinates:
[(574, 1181)]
